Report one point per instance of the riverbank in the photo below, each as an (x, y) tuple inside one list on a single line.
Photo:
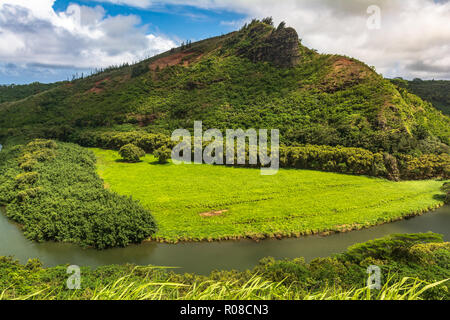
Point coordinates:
[(408, 264), (194, 203), (320, 232), (204, 257)]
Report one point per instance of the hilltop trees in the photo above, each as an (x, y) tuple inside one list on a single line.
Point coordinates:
[(268, 20)]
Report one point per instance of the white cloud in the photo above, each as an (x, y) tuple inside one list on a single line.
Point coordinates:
[(32, 33), (132, 3), (414, 39)]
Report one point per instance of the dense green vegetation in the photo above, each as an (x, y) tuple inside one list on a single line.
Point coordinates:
[(205, 202), (322, 100), (52, 190), (361, 161), (324, 158), (15, 92), (435, 91), (403, 260)]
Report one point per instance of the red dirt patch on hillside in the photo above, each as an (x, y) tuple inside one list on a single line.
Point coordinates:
[(342, 63), (175, 59), (96, 88), (100, 81), (344, 73)]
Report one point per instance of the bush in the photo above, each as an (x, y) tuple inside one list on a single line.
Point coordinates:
[(334, 159), (131, 153), (427, 166), (163, 154), (26, 179), (28, 193), (28, 165), (41, 144)]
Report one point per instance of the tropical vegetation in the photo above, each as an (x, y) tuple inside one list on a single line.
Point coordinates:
[(413, 267), (53, 192)]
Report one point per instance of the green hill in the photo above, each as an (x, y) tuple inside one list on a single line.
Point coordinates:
[(258, 77), (435, 91), (15, 92)]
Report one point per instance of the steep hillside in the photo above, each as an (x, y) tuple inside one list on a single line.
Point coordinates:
[(435, 91), (259, 77)]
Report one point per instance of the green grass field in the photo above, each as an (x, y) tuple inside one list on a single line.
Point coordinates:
[(290, 203)]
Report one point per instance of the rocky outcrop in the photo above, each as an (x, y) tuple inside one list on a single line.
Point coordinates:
[(280, 47)]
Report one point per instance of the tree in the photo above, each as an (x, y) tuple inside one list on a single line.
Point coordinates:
[(139, 70), (282, 25), (163, 154), (131, 153), (268, 21)]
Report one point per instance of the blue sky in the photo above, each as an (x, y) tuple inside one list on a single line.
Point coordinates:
[(176, 21), (50, 40)]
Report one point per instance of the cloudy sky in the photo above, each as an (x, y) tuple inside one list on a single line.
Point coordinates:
[(50, 40)]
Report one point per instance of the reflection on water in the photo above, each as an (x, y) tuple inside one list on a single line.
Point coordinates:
[(202, 258)]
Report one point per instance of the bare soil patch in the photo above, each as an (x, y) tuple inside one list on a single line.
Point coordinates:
[(96, 88), (175, 59), (213, 213)]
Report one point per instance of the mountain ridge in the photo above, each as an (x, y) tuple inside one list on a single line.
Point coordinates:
[(247, 78)]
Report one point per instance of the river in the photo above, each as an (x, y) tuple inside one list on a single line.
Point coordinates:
[(202, 258)]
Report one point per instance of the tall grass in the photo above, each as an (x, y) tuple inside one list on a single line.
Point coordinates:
[(405, 289), (256, 288)]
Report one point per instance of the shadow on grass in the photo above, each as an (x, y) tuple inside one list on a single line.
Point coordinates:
[(440, 197), (129, 162), (157, 163)]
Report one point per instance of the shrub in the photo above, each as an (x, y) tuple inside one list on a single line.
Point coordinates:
[(42, 143), (131, 153), (163, 154), (334, 159), (44, 154), (427, 166), (28, 165), (28, 193), (26, 179)]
